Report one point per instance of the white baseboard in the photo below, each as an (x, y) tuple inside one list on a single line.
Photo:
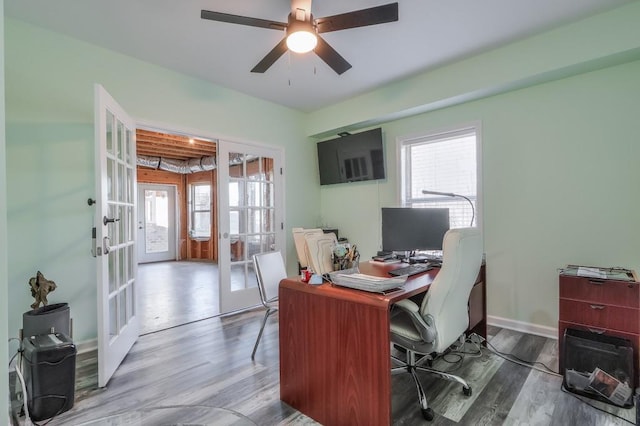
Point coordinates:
[(87, 346), (524, 327)]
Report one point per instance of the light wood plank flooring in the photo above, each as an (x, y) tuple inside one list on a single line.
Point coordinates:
[(207, 363), (176, 293)]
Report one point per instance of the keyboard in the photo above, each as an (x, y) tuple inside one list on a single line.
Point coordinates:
[(416, 268)]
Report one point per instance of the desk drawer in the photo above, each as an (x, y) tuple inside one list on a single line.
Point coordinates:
[(608, 292), (600, 315)]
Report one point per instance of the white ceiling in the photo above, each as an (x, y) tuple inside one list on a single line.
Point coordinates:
[(429, 33)]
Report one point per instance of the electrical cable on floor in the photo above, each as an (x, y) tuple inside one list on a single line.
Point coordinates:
[(522, 362), (457, 351), (593, 406), (27, 421), (530, 364)]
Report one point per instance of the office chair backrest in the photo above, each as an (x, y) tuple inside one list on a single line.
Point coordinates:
[(447, 299), (270, 271)]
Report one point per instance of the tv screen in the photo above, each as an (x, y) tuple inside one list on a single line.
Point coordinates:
[(351, 158), (410, 229)]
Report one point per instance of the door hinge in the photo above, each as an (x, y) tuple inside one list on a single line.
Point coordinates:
[(280, 171), (281, 225)]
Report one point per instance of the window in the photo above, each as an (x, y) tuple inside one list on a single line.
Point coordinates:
[(443, 162), (200, 211)]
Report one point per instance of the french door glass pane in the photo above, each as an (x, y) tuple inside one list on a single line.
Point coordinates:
[(121, 182), (236, 165), (122, 224), (120, 140), (112, 272), (132, 223), (109, 133), (113, 317), (110, 178), (122, 304), (130, 185), (156, 221), (122, 264), (237, 248), (130, 301), (131, 263), (238, 279)]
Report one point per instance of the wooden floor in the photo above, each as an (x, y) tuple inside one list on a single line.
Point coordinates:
[(176, 293), (207, 363)]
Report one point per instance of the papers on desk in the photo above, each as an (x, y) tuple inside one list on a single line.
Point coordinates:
[(620, 274), (299, 238), (318, 252), (354, 279)]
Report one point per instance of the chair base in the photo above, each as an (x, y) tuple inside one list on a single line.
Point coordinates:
[(411, 366), (264, 322)]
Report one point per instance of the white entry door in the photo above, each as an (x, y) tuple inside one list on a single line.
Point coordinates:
[(251, 219), (115, 151), (156, 223)]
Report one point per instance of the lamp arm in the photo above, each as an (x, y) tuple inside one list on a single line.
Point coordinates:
[(451, 194), (473, 210)]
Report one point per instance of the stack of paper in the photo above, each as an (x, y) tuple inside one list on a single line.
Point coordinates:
[(318, 250), (299, 238), (366, 282)]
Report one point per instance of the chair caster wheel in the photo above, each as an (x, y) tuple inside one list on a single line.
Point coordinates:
[(427, 414), (466, 391)]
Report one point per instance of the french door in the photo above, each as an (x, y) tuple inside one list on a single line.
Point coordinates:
[(156, 223), (251, 218), (115, 152)]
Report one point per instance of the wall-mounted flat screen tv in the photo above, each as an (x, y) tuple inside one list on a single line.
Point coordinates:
[(352, 158)]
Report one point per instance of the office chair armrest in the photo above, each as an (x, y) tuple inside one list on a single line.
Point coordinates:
[(410, 308)]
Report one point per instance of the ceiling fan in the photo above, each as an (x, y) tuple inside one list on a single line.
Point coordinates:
[(302, 30)]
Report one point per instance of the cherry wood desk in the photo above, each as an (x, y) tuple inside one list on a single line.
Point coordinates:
[(335, 360)]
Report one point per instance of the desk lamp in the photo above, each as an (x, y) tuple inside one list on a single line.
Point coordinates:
[(451, 194)]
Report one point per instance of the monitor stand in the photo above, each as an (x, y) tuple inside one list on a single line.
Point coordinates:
[(418, 259)]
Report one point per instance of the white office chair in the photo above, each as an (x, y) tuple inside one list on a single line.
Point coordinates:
[(270, 271), (443, 317)]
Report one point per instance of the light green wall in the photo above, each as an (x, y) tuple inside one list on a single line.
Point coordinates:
[(4, 347), (560, 185), (50, 165)]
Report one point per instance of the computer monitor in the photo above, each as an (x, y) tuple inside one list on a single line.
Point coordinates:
[(413, 229)]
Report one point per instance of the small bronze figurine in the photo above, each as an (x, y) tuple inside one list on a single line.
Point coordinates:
[(40, 287)]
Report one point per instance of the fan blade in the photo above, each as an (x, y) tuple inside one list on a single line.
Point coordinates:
[(271, 57), (242, 20), (358, 18), (331, 57)]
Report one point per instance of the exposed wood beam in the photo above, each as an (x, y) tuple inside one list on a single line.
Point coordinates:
[(177, 147)]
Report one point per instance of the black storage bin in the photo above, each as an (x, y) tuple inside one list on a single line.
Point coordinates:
[(585, 352), (45, 318), (49, 369)]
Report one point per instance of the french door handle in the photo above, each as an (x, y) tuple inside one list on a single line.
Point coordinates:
[(106, 220)]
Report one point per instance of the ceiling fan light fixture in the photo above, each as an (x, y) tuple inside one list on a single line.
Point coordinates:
[(302, 41), (301, 36)]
